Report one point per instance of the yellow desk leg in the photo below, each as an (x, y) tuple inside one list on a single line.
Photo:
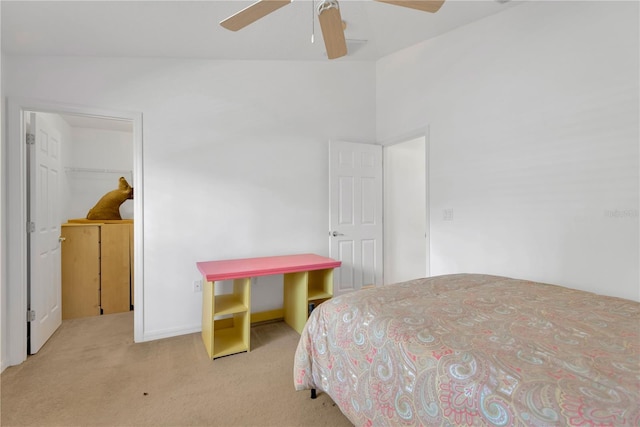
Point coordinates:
[(242, 289), (207, 315), (295, 299)]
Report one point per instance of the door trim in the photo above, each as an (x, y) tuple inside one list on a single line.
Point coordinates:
[(14, 325)]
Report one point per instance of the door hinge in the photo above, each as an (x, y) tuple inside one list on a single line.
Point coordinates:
[(31, 227), (31, 139), (31, 315)]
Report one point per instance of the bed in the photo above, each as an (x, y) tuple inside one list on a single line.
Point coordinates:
[(471, 349)]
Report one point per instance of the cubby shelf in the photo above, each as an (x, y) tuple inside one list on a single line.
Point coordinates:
[(316, 295), (234, 338), (302, 288), (229, 304), (229, 341)]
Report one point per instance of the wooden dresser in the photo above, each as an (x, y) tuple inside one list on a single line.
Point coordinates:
[(97, 267)]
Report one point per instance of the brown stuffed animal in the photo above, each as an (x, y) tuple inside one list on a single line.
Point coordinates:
[(108, 207)]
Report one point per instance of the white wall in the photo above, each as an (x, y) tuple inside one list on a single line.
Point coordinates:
[(91, 151), (534, 137), (235, 157)]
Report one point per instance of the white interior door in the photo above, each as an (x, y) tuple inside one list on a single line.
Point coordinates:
[(44, 288), (355, 219)]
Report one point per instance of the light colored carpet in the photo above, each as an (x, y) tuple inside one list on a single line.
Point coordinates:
[(91, 373)]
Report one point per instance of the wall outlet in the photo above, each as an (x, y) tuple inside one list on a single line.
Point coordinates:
[(447, 214), (197, 286)]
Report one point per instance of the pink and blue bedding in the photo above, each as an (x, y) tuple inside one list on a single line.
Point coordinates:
[(475, 350)]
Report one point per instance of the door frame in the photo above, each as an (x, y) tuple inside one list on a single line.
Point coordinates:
[(421, 132), (14, 311)]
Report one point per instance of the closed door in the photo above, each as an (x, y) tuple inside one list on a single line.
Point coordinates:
[(80, 270), (44, 285), (355, 219)]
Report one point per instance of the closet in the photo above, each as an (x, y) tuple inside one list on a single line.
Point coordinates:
[(96, 256)]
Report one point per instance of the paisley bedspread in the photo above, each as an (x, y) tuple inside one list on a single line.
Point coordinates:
[(475, 350)]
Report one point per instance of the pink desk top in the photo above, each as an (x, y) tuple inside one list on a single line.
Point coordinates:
[(264, 266)]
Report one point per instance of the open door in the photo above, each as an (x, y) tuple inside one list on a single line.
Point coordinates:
[(355, 219), (43, 226)]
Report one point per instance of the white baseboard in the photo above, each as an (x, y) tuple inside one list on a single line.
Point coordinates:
[(169, 333)]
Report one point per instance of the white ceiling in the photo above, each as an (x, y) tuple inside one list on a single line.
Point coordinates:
[(189, 29)]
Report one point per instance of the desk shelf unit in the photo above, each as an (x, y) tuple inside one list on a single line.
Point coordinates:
[(226, 318), (302, 289), (320, 285), (220, 336)]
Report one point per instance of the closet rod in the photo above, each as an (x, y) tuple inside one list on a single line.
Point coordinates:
[(94, 170)]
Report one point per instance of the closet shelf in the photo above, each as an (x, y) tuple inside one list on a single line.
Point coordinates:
[(95, 170)]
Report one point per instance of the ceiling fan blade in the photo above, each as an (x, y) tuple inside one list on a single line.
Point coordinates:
[(424, 5), (332, 30), (252, 13)]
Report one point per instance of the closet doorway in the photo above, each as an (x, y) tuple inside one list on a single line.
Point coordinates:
[(73, 120), (406, 220), (76, 268)]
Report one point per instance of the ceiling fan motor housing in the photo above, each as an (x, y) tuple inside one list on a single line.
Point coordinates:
[(327, 4)]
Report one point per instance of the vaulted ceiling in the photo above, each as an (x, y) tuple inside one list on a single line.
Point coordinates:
[(190, 29)]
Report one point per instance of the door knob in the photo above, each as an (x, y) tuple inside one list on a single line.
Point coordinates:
[(335, 233), (61, 239)]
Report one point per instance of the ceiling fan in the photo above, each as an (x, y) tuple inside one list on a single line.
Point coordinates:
[(328, 11)]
